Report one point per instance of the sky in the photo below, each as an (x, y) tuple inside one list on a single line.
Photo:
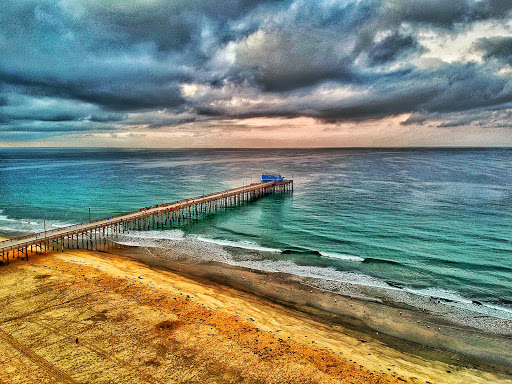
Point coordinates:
[(255, 73)]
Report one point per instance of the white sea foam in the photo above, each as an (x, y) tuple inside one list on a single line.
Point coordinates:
[(498, 308), (486, 317), (437, 293), (172, 234), (327, 275), (356, 284), (353, 284), (239, 244), (341, 256), (4, 217), (27, 226), (159, 239), (454, 299)]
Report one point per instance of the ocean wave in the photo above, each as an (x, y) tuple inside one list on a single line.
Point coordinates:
[(239, 244), (477, 266), (300, 252), (159, 239), (440, 294), (341, 256), (455, 299), (498, 308), (329, 276), (4, 217), (350, 283), (374, 260), (172, 234), (28, 226)]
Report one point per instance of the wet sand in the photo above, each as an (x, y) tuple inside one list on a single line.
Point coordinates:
[(131, 316)]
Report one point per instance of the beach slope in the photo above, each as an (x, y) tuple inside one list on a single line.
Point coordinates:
[(82, 316)]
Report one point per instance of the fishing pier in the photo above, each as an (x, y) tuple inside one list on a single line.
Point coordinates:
[(97, 233)]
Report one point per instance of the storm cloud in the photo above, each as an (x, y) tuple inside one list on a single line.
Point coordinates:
[(499, 48), (93, 65)]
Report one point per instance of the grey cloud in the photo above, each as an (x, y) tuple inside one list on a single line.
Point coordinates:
[(391, 15), (483, 117), (433, 12), (448, 89), (442, 13), (290, 59), (496, 8), (499, 47), (396, 101), (20, 136), (451, 88), (170, 25), (53, 128), (392, 47), (106, 117), (170, 122), (457, 123), (466, 87), (32, 112), (118, 94), (417, 118), (109, 61)]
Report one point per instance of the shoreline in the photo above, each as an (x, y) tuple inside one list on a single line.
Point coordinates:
[(278, 305), (350, 313), (458, 310)]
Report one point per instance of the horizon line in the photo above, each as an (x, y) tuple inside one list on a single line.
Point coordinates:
[(264, 148)]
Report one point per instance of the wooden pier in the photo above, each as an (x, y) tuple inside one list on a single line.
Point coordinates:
[(98, 233)]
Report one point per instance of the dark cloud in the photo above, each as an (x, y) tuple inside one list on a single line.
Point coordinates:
[(499, 47), (465, 87), (450, 88), (169, 25), (417, 118), (464, 122), (59, 117), (442, 13), (482, 117), (290, 59), (170, 122), (19, 136), (496, 8), (94, 64), (119, 94), (106, 117), (432, 12), (447, 89), (374, 107), (392, 47)]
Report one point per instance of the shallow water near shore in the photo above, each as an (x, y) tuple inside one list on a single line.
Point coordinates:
[(429, 228)]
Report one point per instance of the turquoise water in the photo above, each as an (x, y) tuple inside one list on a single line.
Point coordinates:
[(437, 222)]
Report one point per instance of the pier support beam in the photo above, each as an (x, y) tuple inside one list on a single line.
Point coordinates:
[(99, 232)]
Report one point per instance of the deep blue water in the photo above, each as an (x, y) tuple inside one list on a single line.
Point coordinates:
[(435, 221)]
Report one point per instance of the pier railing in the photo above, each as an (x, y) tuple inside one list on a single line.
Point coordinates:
[(100, 231)]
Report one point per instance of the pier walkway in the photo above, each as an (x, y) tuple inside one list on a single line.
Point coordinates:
[(93, 234)]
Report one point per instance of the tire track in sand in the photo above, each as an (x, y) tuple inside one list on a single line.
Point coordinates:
[(45, 365)]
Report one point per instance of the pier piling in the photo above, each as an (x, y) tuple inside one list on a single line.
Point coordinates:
[(93, 234)]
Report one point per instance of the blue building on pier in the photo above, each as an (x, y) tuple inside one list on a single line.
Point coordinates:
[(271, 177)]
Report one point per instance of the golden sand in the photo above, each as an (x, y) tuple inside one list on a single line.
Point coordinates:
[(83, 316)]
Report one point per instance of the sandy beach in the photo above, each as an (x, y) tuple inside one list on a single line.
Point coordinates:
[(128, 316)]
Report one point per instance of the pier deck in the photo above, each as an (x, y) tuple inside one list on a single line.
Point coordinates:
[(94, 232)]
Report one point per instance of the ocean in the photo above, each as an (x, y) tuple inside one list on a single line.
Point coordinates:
[(430, 224)]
